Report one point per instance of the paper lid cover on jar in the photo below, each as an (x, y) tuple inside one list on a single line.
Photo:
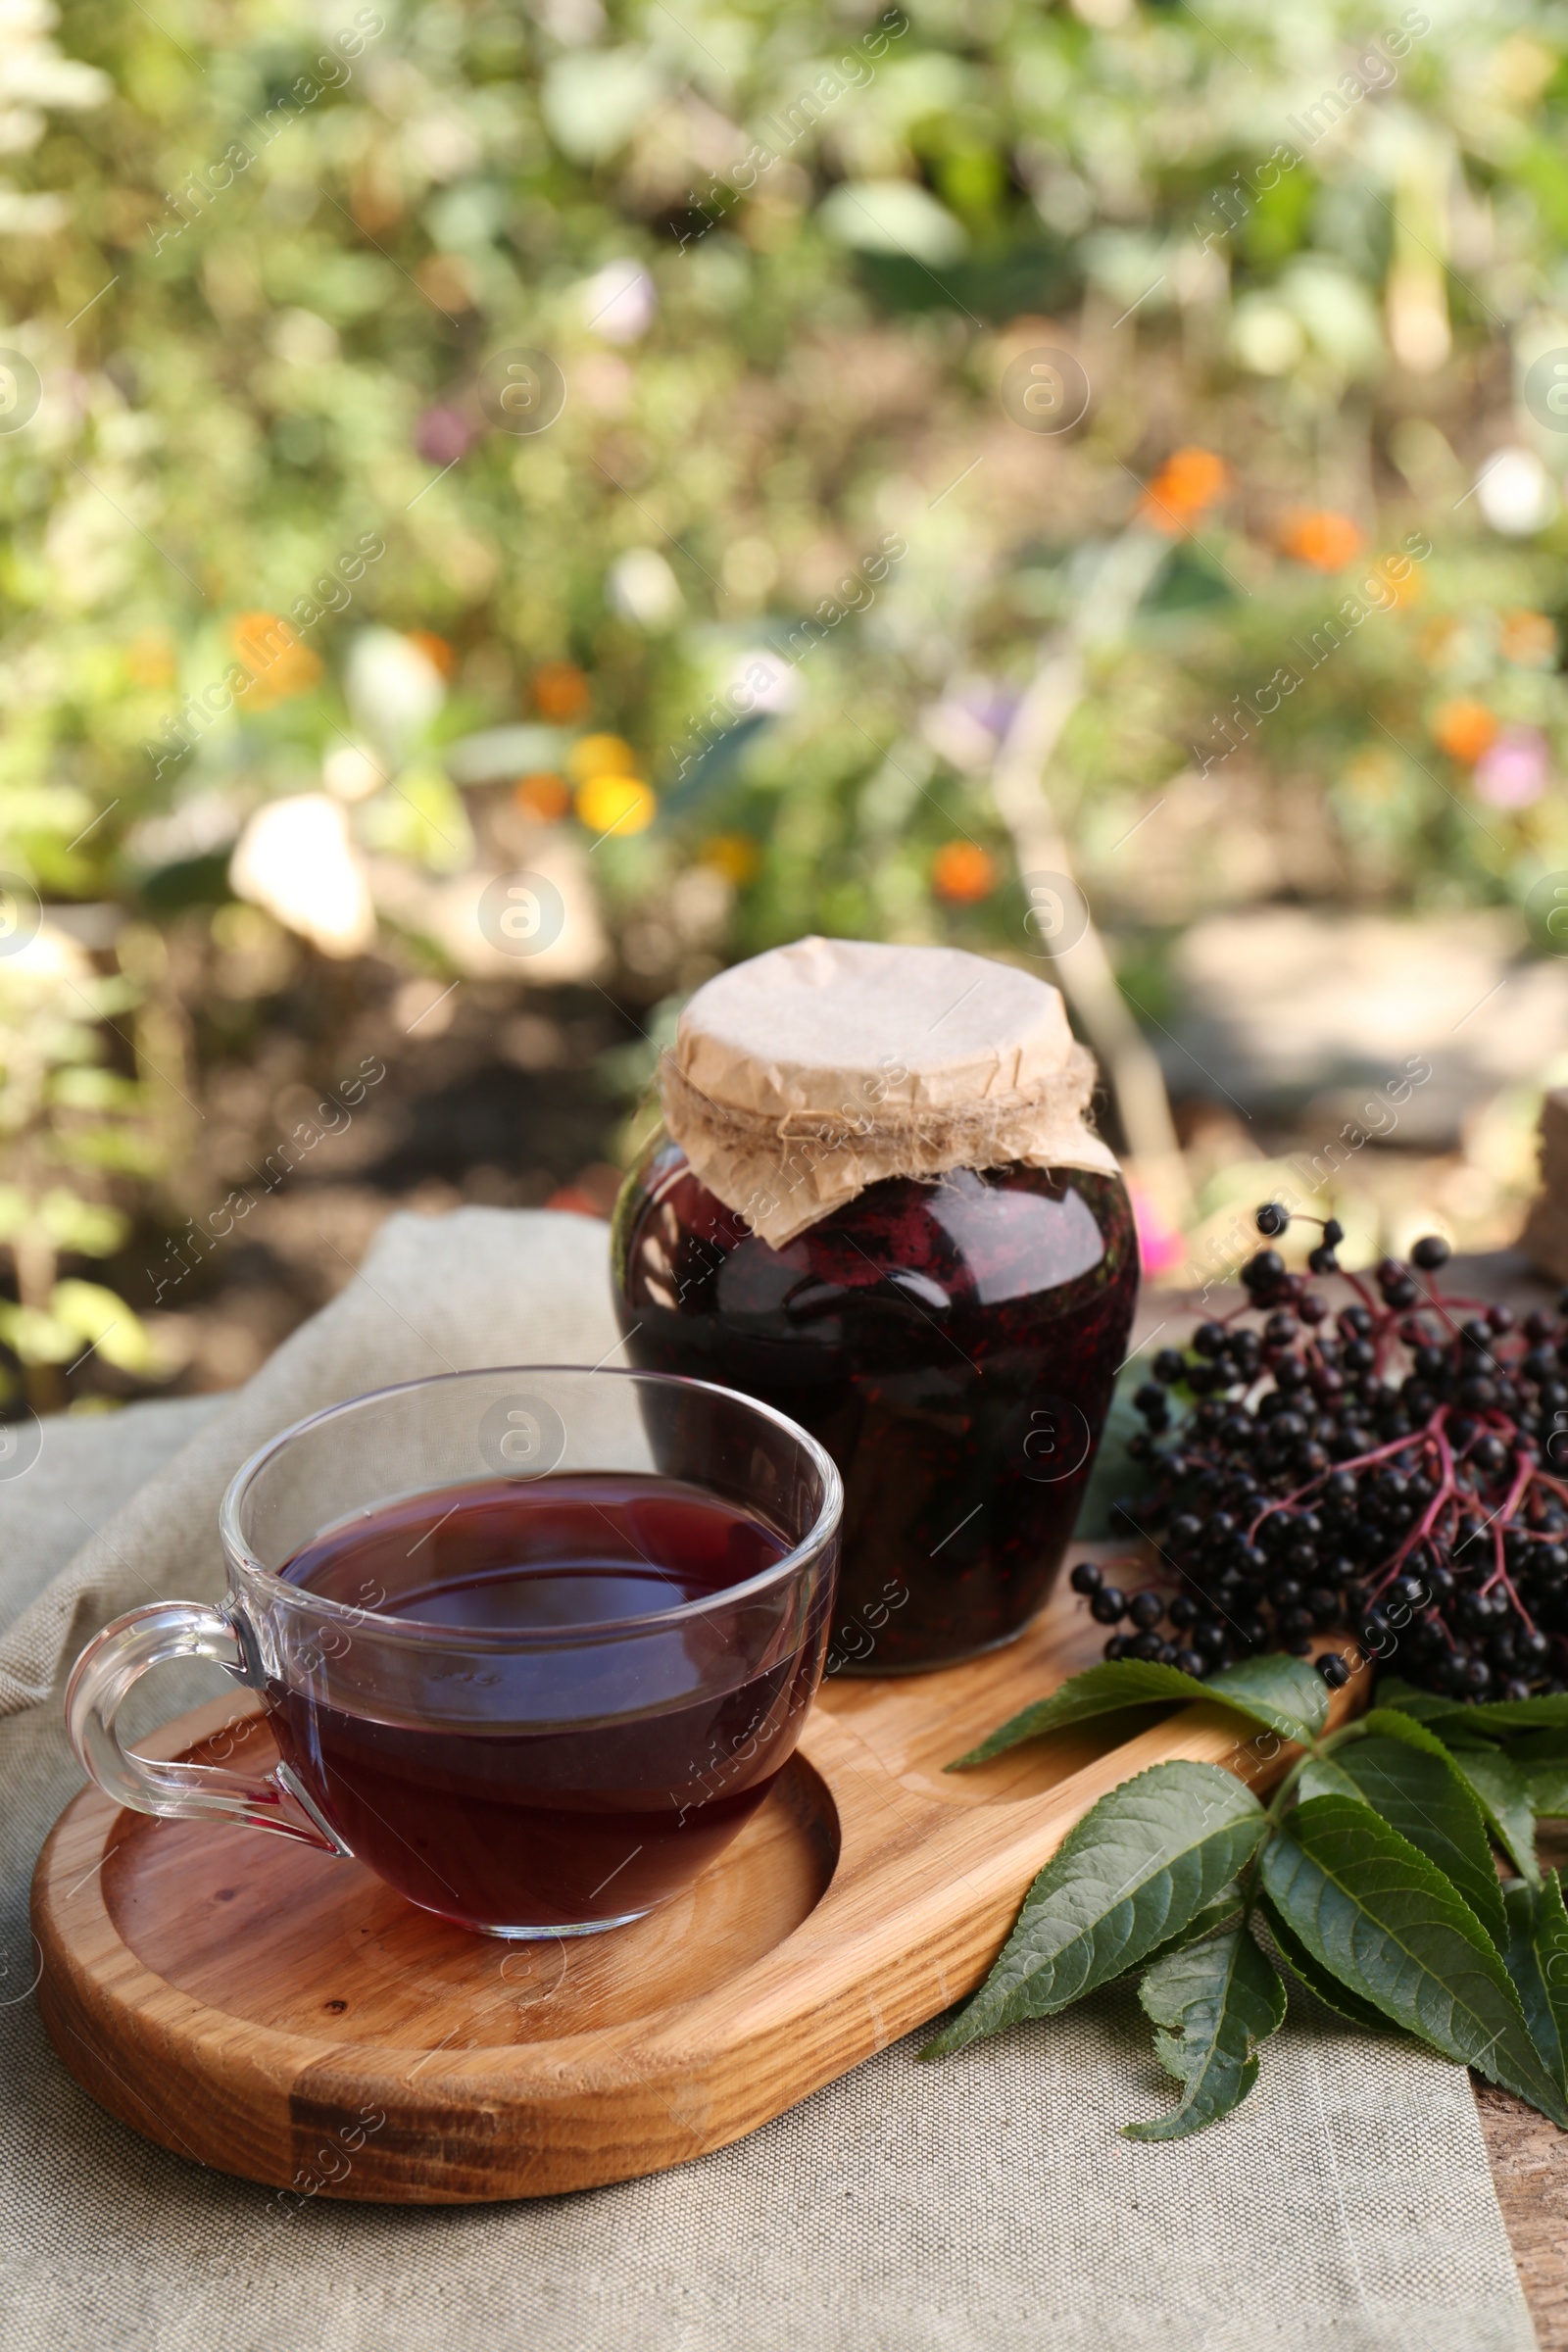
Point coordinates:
[(810, 1072)]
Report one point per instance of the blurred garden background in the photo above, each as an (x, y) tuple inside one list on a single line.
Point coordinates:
[(1083, 482)]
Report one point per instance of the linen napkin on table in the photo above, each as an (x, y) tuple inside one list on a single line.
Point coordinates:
[(983, 2205)]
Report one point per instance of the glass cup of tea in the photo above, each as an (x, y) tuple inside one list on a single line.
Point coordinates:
[(533, 1643)]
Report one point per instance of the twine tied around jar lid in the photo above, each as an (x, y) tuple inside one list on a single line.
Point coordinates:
[(804, 1075)]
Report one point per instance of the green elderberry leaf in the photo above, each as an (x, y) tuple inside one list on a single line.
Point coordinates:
[(1493, 1717), (1548, 1713), (1283, 1694), (1423, 1705), (1223, 1912), (1287, 1694), (1389, 1925), (1503, 1794), (1324, 1775), (1537, 1956), (1543, 1758), (1220, 1999), (1425, 1796), (1098, 1691), (1142, 1863), (1318, 1981)]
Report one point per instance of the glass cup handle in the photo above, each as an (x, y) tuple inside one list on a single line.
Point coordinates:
[(102, 1677)]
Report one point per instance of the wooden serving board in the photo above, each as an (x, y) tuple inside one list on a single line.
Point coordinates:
[(275, 2013)]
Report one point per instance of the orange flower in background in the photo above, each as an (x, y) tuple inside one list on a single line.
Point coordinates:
[(601, 755), (1186, 485), (278, 663), (962, 872), (542, 795), (436, 650), (735, 856), (1529, 639), (1320, 537), (618, 804), (561, 691), (1464, 730)]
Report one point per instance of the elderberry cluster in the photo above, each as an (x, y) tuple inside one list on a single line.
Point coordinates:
[(1397, 1470)]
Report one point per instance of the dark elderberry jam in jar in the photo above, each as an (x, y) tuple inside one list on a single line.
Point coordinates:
[(951, 1341)]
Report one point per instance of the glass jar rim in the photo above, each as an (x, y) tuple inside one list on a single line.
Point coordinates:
[(241, 1560)]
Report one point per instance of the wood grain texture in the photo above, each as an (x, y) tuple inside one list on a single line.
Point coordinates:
[(279, 2013)]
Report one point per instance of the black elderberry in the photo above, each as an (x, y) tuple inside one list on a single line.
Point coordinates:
[(1208, 1339), (1191, 1661), (1333, 1233), (1334, 1670), (1264, 1271), (1115, 1647), (1183, 1611), (1272, 1219), (1477, 1676), (1146, 1609), (1312, 1309), (1145, 1645), (1169, 1366), (1322, 1260), (1086, 1577), (1500, 1318), (1430, 1252), (1149, 1399), (1109, 1605)]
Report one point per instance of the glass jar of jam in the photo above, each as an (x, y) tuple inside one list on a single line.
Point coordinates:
[(952, 1342), (876, 1205)]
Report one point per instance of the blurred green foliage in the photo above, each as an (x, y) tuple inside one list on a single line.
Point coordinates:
[(266, 260)]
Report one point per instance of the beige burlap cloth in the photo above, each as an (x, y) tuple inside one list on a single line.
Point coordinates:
[(986, 2205)]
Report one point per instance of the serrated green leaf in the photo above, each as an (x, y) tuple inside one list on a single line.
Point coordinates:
[(1281, 1694), (1323, 1776), (1424, 1797), (1145, 1860), (1222, 1912), (1391, 1723), (1503, 1794), (1389, 1925), (1549, 1713), (1537, 1956), (1098, 1691), (1318, 1981), (1500, 1716), (1222, 1997), (1543, 1758), (1423, 1705), (1287, 1694)]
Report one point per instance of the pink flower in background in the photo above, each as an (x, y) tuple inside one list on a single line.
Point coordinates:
[(1160, 1246), (1512, 772), (443, 436)]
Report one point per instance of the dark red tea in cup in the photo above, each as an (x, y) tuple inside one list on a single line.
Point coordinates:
[(535, 1640), (500, 1816)]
